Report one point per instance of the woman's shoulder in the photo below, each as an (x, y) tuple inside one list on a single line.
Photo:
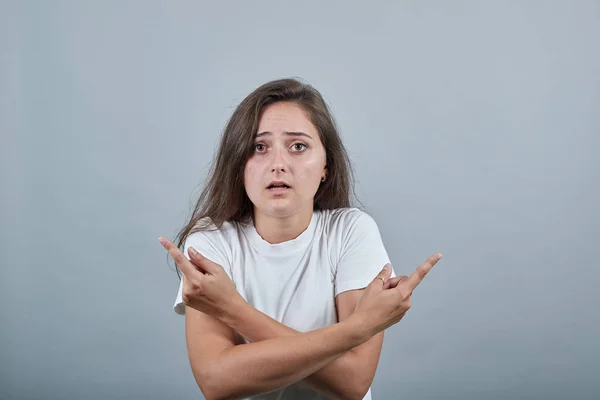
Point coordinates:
[(206, 229), (348, 228), (344, 219)]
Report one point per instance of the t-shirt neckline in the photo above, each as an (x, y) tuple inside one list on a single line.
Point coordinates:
[(289, 246)]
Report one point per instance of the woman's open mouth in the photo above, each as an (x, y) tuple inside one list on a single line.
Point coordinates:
[(278, 188)]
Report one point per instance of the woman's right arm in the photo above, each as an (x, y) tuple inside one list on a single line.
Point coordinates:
[(224, 370)]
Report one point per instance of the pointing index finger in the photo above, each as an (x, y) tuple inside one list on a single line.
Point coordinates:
[(177, 255), (418, 274)]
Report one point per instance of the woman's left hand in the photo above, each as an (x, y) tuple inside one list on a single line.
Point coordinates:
[(206, 285)]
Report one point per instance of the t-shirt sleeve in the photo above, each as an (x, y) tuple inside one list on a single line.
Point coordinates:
[(208, 244), (363, 254)]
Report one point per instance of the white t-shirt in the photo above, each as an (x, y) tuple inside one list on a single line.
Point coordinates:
[(295, 282)]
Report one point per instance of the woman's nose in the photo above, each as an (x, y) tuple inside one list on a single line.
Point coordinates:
[(278, 161)]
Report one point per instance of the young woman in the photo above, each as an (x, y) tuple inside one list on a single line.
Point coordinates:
[(286, 289)]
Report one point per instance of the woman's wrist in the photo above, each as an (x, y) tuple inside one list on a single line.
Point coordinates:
[(362, 326), (234, 311)]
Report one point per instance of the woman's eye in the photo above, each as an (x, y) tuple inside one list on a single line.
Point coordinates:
[(259, 147), (299, 146)]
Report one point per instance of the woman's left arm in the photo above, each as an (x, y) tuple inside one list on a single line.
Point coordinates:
[(347, 377)]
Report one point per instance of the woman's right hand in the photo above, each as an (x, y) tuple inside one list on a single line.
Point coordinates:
[(385, 301), (206, 286)]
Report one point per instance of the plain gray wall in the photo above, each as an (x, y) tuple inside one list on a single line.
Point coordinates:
[(473, 127)]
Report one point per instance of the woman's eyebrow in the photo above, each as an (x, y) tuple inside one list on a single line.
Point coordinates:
[(286, 133)]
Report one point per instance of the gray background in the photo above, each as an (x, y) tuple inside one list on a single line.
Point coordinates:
[(474, 131)]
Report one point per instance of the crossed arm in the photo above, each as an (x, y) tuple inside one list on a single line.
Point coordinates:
[(339, 361), (278, 356)]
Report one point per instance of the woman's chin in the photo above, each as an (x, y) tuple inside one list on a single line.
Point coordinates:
[(279, 208)]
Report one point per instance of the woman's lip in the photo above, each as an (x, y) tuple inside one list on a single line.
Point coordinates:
[(278, 190)]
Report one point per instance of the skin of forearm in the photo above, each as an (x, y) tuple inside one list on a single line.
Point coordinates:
[(260, 367), (337, 380)]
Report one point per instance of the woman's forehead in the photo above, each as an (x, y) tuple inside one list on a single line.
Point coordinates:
[(285, 117)]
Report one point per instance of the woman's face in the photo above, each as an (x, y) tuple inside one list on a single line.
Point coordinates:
[(287, 148)]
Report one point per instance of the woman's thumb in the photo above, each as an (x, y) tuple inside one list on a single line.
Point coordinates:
[(200, 261), (387, 270), (384, 275)]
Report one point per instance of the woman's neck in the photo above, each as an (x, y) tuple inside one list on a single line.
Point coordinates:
[(276, 230)]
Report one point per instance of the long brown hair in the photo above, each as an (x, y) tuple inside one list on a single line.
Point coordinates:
[(224, 197)]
